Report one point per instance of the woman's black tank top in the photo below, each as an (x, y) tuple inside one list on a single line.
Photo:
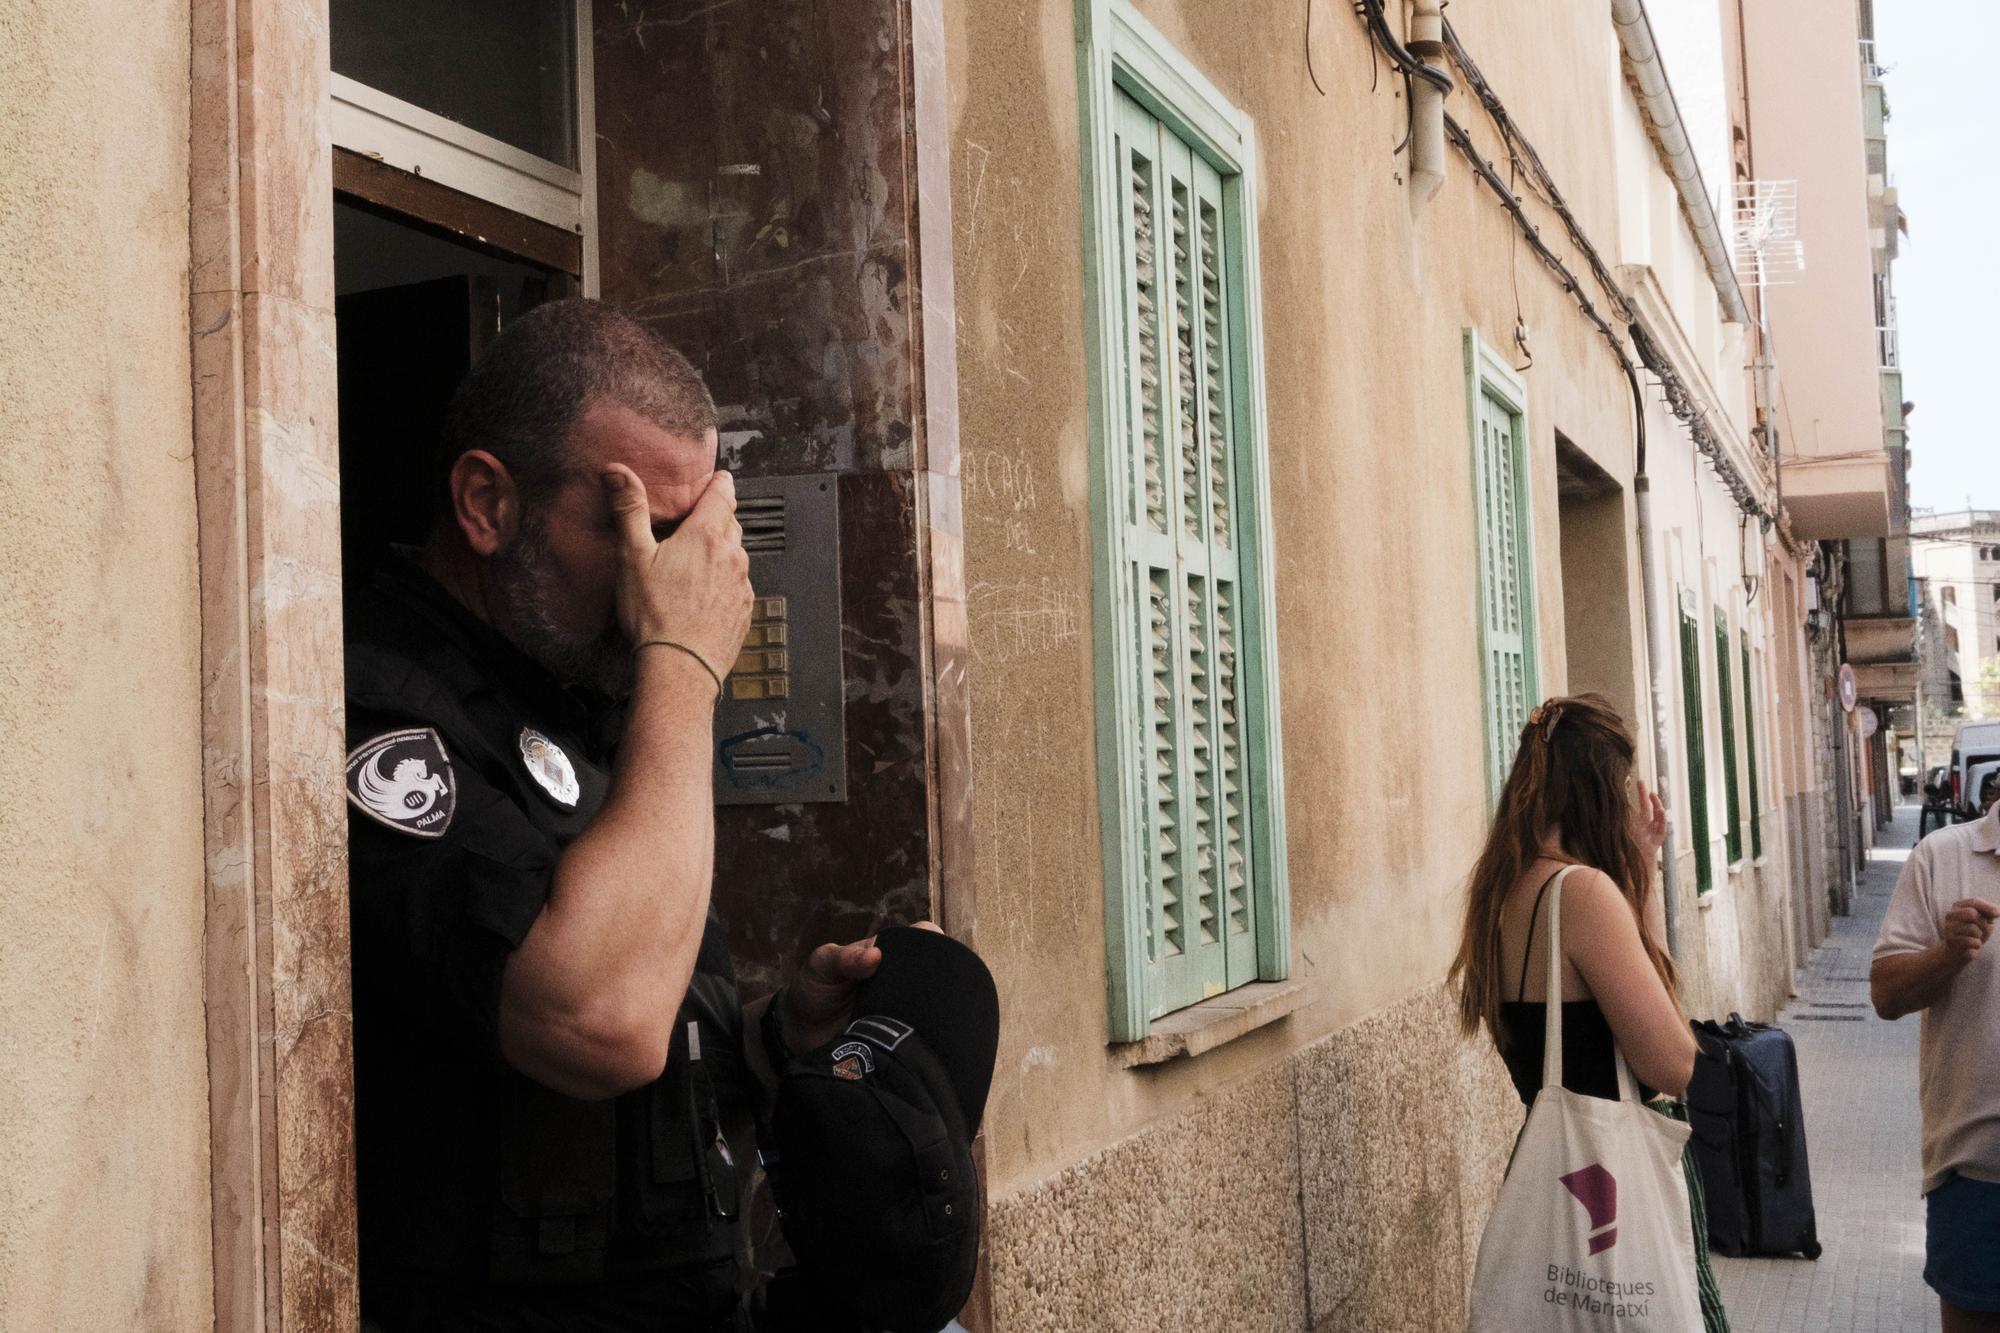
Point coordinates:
[(1589, 1059)]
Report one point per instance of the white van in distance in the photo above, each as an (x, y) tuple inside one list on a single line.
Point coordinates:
[(1976, 743)]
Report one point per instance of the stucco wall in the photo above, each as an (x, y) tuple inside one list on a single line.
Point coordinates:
[(1107, 1181), (1374, 535), (103, 1073)]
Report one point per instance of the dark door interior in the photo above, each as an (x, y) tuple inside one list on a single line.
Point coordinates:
[(403, 351), (414, 309)]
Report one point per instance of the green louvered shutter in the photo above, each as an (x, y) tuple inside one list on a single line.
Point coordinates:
[(1732, 833), (1503, 590), (1181, 554), (1750, 748), (1704, 873)]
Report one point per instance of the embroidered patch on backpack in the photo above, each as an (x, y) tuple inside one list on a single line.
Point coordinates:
[(853, 1061), (404, 780)]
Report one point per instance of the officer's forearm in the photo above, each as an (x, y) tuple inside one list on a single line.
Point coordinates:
[(1904, 983), (589, 998)]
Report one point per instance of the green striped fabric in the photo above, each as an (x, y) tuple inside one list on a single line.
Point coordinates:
[(1714, 1318)]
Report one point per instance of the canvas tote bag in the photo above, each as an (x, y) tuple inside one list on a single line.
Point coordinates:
[(1591, 1231)]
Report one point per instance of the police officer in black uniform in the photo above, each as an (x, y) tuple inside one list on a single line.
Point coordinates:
[(553, 1071)]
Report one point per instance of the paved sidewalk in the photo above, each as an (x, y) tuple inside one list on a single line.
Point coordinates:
[(1860, 1085)]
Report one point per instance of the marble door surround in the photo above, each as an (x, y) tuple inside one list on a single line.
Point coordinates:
[(261, 290), (265, 437)]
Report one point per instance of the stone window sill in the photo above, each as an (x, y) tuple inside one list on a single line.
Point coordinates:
[(1205, 1026)]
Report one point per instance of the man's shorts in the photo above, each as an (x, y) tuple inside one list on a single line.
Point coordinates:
[(1962, 1245)]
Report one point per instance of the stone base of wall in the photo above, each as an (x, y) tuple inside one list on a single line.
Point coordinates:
[(1344, 1188)]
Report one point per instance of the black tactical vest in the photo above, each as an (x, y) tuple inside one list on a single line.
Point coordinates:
[(470, 1172)]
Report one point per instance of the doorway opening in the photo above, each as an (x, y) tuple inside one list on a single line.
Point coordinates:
[(1597, 615)]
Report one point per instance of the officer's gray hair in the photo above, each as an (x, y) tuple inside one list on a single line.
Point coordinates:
[(521, 399)]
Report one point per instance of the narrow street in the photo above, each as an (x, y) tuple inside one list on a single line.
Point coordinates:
[(1860, 1087)]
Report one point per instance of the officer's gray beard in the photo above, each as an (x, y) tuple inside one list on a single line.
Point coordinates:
[(526, 590)]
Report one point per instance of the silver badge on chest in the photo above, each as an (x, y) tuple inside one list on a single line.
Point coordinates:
[(549, 767)]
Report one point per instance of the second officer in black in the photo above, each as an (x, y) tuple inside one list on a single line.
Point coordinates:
[(553, 1072)]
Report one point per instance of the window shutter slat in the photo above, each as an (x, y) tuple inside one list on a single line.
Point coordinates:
[(1201, 801), (1138, 144), (1750, 748), (1226, 718), (1732, 832), (1201, 770), (1219, 425), (1169, 937), (1704, 873), (1187, 385), (1159, 763)]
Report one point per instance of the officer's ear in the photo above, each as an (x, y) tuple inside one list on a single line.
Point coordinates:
[(485, 503)]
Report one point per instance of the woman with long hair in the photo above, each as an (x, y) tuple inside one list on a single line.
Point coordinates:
[(1571, 799)]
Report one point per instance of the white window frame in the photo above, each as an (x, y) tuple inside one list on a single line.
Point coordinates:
[(400, 134)]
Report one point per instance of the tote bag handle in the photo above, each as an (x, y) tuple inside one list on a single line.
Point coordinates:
[(1552, 1008)]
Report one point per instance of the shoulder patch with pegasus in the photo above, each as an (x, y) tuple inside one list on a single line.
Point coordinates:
[(403, 779)]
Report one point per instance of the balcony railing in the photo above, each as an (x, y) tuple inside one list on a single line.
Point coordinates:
[(1888, 349)]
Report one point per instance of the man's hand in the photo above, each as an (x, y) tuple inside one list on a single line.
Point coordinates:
[(1967, 927), (1649, 822), (1904, 983), (820, 999), (694, 587)]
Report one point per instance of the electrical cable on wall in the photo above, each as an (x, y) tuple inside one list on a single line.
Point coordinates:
[(1680, 399), (1406, 62), (1309, 50)]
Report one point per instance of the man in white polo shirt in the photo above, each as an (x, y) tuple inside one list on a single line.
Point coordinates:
[(1932, 956)]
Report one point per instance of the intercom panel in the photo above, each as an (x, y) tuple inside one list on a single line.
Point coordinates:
[(780, 726)]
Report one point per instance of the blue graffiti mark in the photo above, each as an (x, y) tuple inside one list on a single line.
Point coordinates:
[(806, 757)]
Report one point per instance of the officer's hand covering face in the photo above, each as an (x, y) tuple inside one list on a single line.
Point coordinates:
[(553, 557)]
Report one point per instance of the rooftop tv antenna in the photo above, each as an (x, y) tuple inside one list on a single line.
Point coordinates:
[(1765, 248)]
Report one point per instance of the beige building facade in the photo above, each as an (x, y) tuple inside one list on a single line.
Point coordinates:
[(1813, 110), (103, 1084), (1226, 462)]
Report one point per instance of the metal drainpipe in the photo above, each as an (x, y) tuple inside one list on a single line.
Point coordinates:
[(1426, 104), (1659, 649), (1635, 35)]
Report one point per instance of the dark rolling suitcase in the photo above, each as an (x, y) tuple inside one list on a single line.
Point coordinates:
[(1711, 1105), (1760, 1193)]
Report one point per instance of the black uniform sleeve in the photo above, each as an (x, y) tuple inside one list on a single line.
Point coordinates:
[(442, 914)]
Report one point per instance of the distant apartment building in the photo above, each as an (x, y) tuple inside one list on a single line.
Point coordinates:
[(1957, 560), (1813, 130)]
